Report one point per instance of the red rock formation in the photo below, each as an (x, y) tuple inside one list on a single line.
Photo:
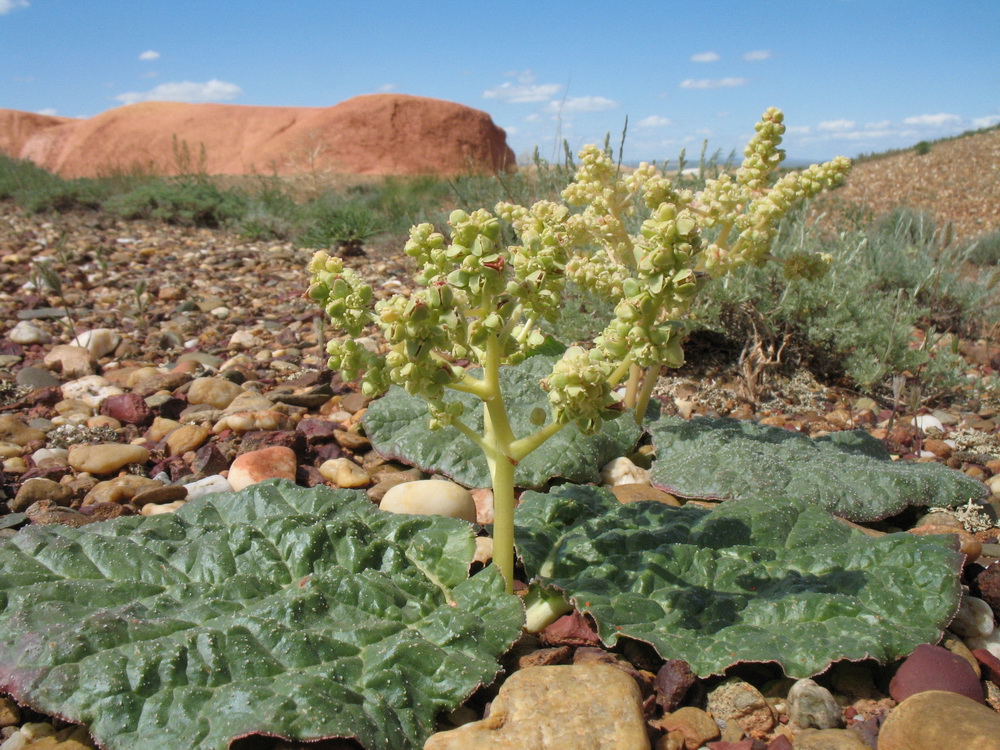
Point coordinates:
[(17, 127), (378, 134)]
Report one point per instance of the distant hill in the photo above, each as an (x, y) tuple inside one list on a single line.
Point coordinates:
[(376, 134), (955, 180)]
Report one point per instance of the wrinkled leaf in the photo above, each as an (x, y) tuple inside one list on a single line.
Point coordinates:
[(295, 612), (754, 581), (397, 427), (848, 473)]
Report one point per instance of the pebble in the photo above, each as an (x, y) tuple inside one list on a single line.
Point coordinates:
[(258, 466), (99, 341), (36, 377), (968, 545), (343, 472), (186, 438), (634, 493), (90, 389), (935, 668), (622, 471), (36, 489), (812, 705), (974, 618), (431, 497), (940, 720), (13, 430), (740, 702), (120, 489), (44, 736), (27, 333), (105, 458), (208, 486), (155, 509), (559, 706), (216, 392), (688, 725), (70, 361), (830, 739)]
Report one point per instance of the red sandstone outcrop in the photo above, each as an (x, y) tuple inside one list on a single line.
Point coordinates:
[(377, 134), (17, 127)]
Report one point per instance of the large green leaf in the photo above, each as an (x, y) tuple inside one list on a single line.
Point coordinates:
[(848, 473), (397, 427), (295, 612), (754, 581)]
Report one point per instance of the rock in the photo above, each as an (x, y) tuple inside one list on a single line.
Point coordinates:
[(13, 430), (738, 701), (592, 706), (120, 489), (989, 665), (71, 361), (622, 471), (376, 134), (386, 482), (969, 546), (36, 377), (208, 486), (99, 341), (430, 497), (37, 489), (830, 739), (988, 583), (483, 498), (43, 736), (673, 680), (249, 421), (940, 720), (105, 458), (634, 493), (10, 712), (257, 466), (27, 333), (127, 408), (812, 705), (573, 629), (935, 668), (343, 472), (690, 726), (89, 389), (155, 509), (186, 438), (990, 643), (974, 618), (955, 644), (216, 392), (47, 512)]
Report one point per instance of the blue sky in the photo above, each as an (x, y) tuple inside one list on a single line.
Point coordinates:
[(852, 76)]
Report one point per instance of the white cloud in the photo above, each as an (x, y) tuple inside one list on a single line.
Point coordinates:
[(6, 6), (713, 83), (50, 112), (882, 125), (533, 117), (758, 54), (986, 122), (837, 125), (522, 93), (385, 88), (184, 91), (654, 121), (798, 130), (936, 121), (150, 54), (582, 104), (705, 57)]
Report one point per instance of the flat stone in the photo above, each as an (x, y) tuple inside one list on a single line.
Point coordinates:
[(258, 466), (106, 458), (431, 497), (830, 739), (127, 408), (120, 489), (36, 377), (593, 706), (99, 341), (27, 333), (940, 720), (14, 430), (695, 727), (635, 493), (208, 486)]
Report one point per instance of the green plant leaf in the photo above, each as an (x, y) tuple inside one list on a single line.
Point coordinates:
[(300, 613), (848, 473), (397, 427), (755, 581)]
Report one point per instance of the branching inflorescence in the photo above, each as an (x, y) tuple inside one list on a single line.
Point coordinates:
[(481, 301)]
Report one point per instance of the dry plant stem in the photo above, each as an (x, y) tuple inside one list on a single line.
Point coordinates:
[(648, 384)]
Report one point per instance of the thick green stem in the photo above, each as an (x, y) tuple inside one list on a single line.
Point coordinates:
[(632, 387), (648, 383), (498, 438)]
